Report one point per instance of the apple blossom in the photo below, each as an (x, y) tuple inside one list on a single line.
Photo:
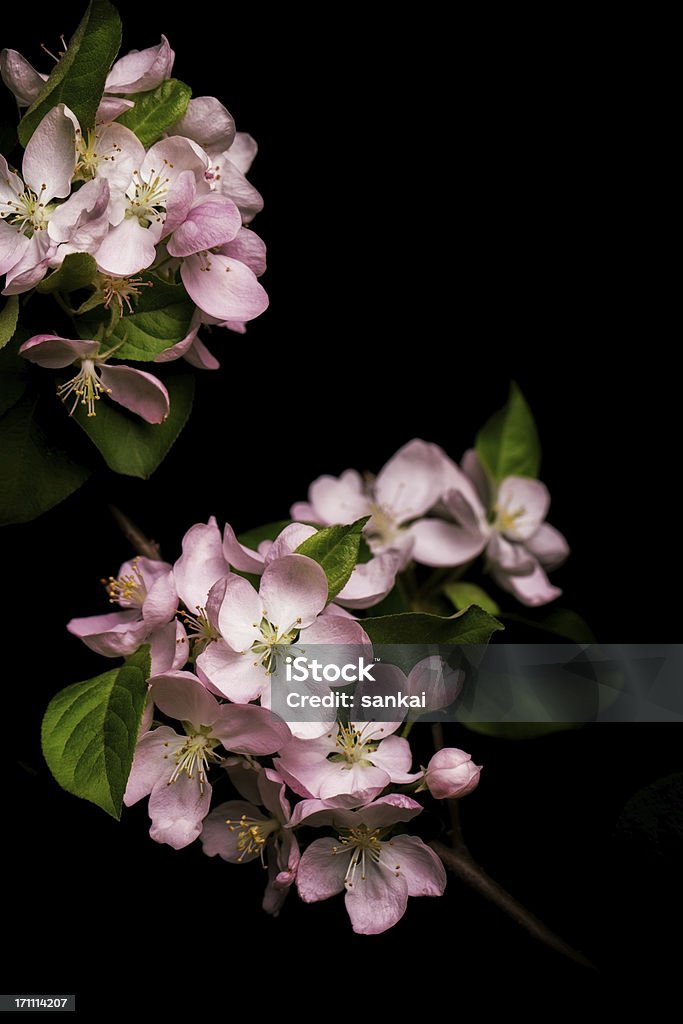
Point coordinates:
[(378, 873), (136, 390), (450, 773), (172, 769)]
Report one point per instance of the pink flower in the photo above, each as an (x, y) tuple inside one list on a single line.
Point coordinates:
[(253, 626), (47, 169), (518, 543), (172, 768), (378, 873), (199, 567), (238, 832), (349, 765), (408, 486), (135, 390), (368, 584), (138, 71), (145, 590), (450, 773)]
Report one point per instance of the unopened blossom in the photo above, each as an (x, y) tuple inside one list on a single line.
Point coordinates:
[(349, 765), (378, 872), (237, 831), (172, 768), (450, 773), (26, 202), (145, 592), (253, 626), (507, 523), (136, 390), (138, 71), (404, 490), (367, 585)]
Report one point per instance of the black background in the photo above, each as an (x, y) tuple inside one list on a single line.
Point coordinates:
[(443, 212)]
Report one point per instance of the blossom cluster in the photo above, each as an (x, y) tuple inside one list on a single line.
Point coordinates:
[(218, 620), (175, 212)]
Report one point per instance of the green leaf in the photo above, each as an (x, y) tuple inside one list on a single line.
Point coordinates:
[(77, 271), (8, 320), (78, 79), (473, 626), (558, 621), (508, 443), (128, 444), (34, 475), (161, 319), (14, 374), (269, 531), (157, 110), (463, 594), (90, 730), (336, 550)]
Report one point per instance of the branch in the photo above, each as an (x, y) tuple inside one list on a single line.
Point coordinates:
[(142, 545), (461, 863)]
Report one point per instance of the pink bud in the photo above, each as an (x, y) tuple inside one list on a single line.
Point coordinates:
[(451, 772)]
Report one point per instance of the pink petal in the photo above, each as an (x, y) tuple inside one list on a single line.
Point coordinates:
[(242, 151), (288, 541), (472, 489), (169, 648), (212, 222), (387, 810), (419, 865), (321, 870), (201, 564), (50, 157), (117, 634), (20, 77), (181, 695), (293, 592), (13, 246), (335, 629), (153, 762), (247, 729), (232, 183), (179, 202), (208, 122), (161, 603), (239, 618), (236, 676), (412, 481), (370, 582), (474, 470), (141, 70), (342, 786), (136, 390), (33, 265), (395, 757), (112, 107), (223, 287), (54, 352), (377, 902), (438, 543), (239, 556), (526, 501), (338, 500), (533, 589), (199, 356), (177, 810), (433, 676), (302, 512), (82, 222), (273, 796), (170, 157), (249, 249), (509, 557), (128, 248), (217, 837), (548, 545)]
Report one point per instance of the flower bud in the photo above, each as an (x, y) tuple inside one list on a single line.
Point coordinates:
[(450, 773)]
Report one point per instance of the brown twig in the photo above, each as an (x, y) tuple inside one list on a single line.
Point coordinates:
[(142, 545), (460, 861)]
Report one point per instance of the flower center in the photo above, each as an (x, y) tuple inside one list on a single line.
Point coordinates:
[(27, 213), (353, 749), (147, 199), (253, 834), (128, 590), (271, 638), (195, 755), (199, 629), (86, 386), (506, 519), (382, 530), (120, 290), (364, 845), (90, 154)]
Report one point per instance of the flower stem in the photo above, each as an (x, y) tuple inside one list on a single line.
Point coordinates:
[(141, 544)]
